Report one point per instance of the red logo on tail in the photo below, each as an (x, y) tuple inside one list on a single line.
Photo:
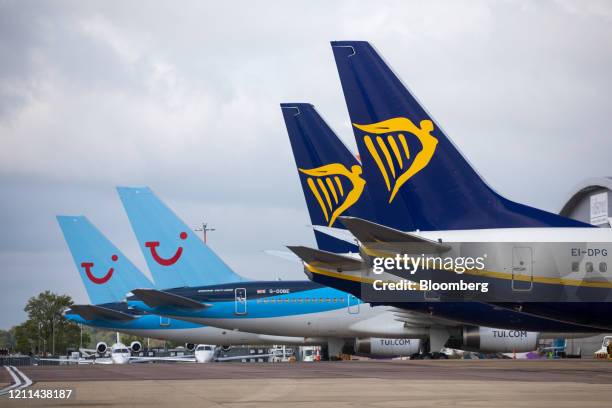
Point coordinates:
[(90, 275), (152, 245)]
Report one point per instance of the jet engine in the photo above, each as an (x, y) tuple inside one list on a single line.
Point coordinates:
[(489, 340), (226, 347), (190, 346), (380, 347), (101, 347), (135, 346)]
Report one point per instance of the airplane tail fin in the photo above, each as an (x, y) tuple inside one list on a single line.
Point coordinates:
[(414, 171), (329, 173), (106, 273), (175, 255)]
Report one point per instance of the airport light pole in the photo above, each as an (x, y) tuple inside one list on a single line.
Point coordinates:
[(53, 336), (204, 229)]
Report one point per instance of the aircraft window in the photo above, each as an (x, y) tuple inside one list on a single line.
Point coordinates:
[(292, 300), (341, 300), (589, 266), (321, 300), (122, 351), (327, 300), (286, 300), (299, 300), (272, 300), (575, 266), (314, 300), (335, 300), (265, 300), (306, 300), (603, 267)]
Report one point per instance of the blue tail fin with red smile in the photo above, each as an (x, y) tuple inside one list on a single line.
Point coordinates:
[(176, 256), (416, 176), (106, 273)]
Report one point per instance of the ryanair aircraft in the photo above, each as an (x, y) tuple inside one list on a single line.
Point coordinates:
[(315, 147), (428, 200)]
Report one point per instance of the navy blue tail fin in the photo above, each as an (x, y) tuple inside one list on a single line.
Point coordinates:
[(417, 178), (329, 173)]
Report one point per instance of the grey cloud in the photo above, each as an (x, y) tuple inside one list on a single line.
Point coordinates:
[(185, 99)]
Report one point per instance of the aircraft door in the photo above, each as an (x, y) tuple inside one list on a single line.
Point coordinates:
[(353, 304), (164, 321), (240, 301), (522, 268)]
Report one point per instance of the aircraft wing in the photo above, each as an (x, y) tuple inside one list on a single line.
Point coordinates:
[(92, 312), (170, 359), (69, 360), (232, 358), (155, 298), (318, 257), (373, 235)]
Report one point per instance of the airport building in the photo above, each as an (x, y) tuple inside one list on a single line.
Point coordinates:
[(589, 201)]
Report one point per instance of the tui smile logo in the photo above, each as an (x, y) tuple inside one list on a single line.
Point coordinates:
[(335, 188), (98, 281), (386, 142), (152, 245)]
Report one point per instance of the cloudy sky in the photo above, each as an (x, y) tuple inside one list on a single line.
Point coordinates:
[(183, 97)]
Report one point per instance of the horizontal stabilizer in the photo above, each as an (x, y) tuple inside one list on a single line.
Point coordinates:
[(371, 233), (91, 312), (323, 258), (338, 233), (155, 298), (287, 256)]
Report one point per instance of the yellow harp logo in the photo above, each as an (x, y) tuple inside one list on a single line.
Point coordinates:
[(328, 186), (386, 141)]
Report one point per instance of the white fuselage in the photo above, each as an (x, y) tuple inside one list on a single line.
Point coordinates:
[(358, 321)]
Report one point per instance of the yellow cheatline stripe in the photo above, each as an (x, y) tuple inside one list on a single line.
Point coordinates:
[(396, 151), (376, 157), (541, 279), (352, 278), (331, 188), (325, 193), (338, 275), (386, 153), (402, 139), (339, 183), (316, 194)]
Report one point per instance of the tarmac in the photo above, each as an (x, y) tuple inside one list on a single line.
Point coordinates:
[(473, 383)]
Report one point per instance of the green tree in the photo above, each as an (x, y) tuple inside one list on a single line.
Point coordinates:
[(47, 330), (6, 339)]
